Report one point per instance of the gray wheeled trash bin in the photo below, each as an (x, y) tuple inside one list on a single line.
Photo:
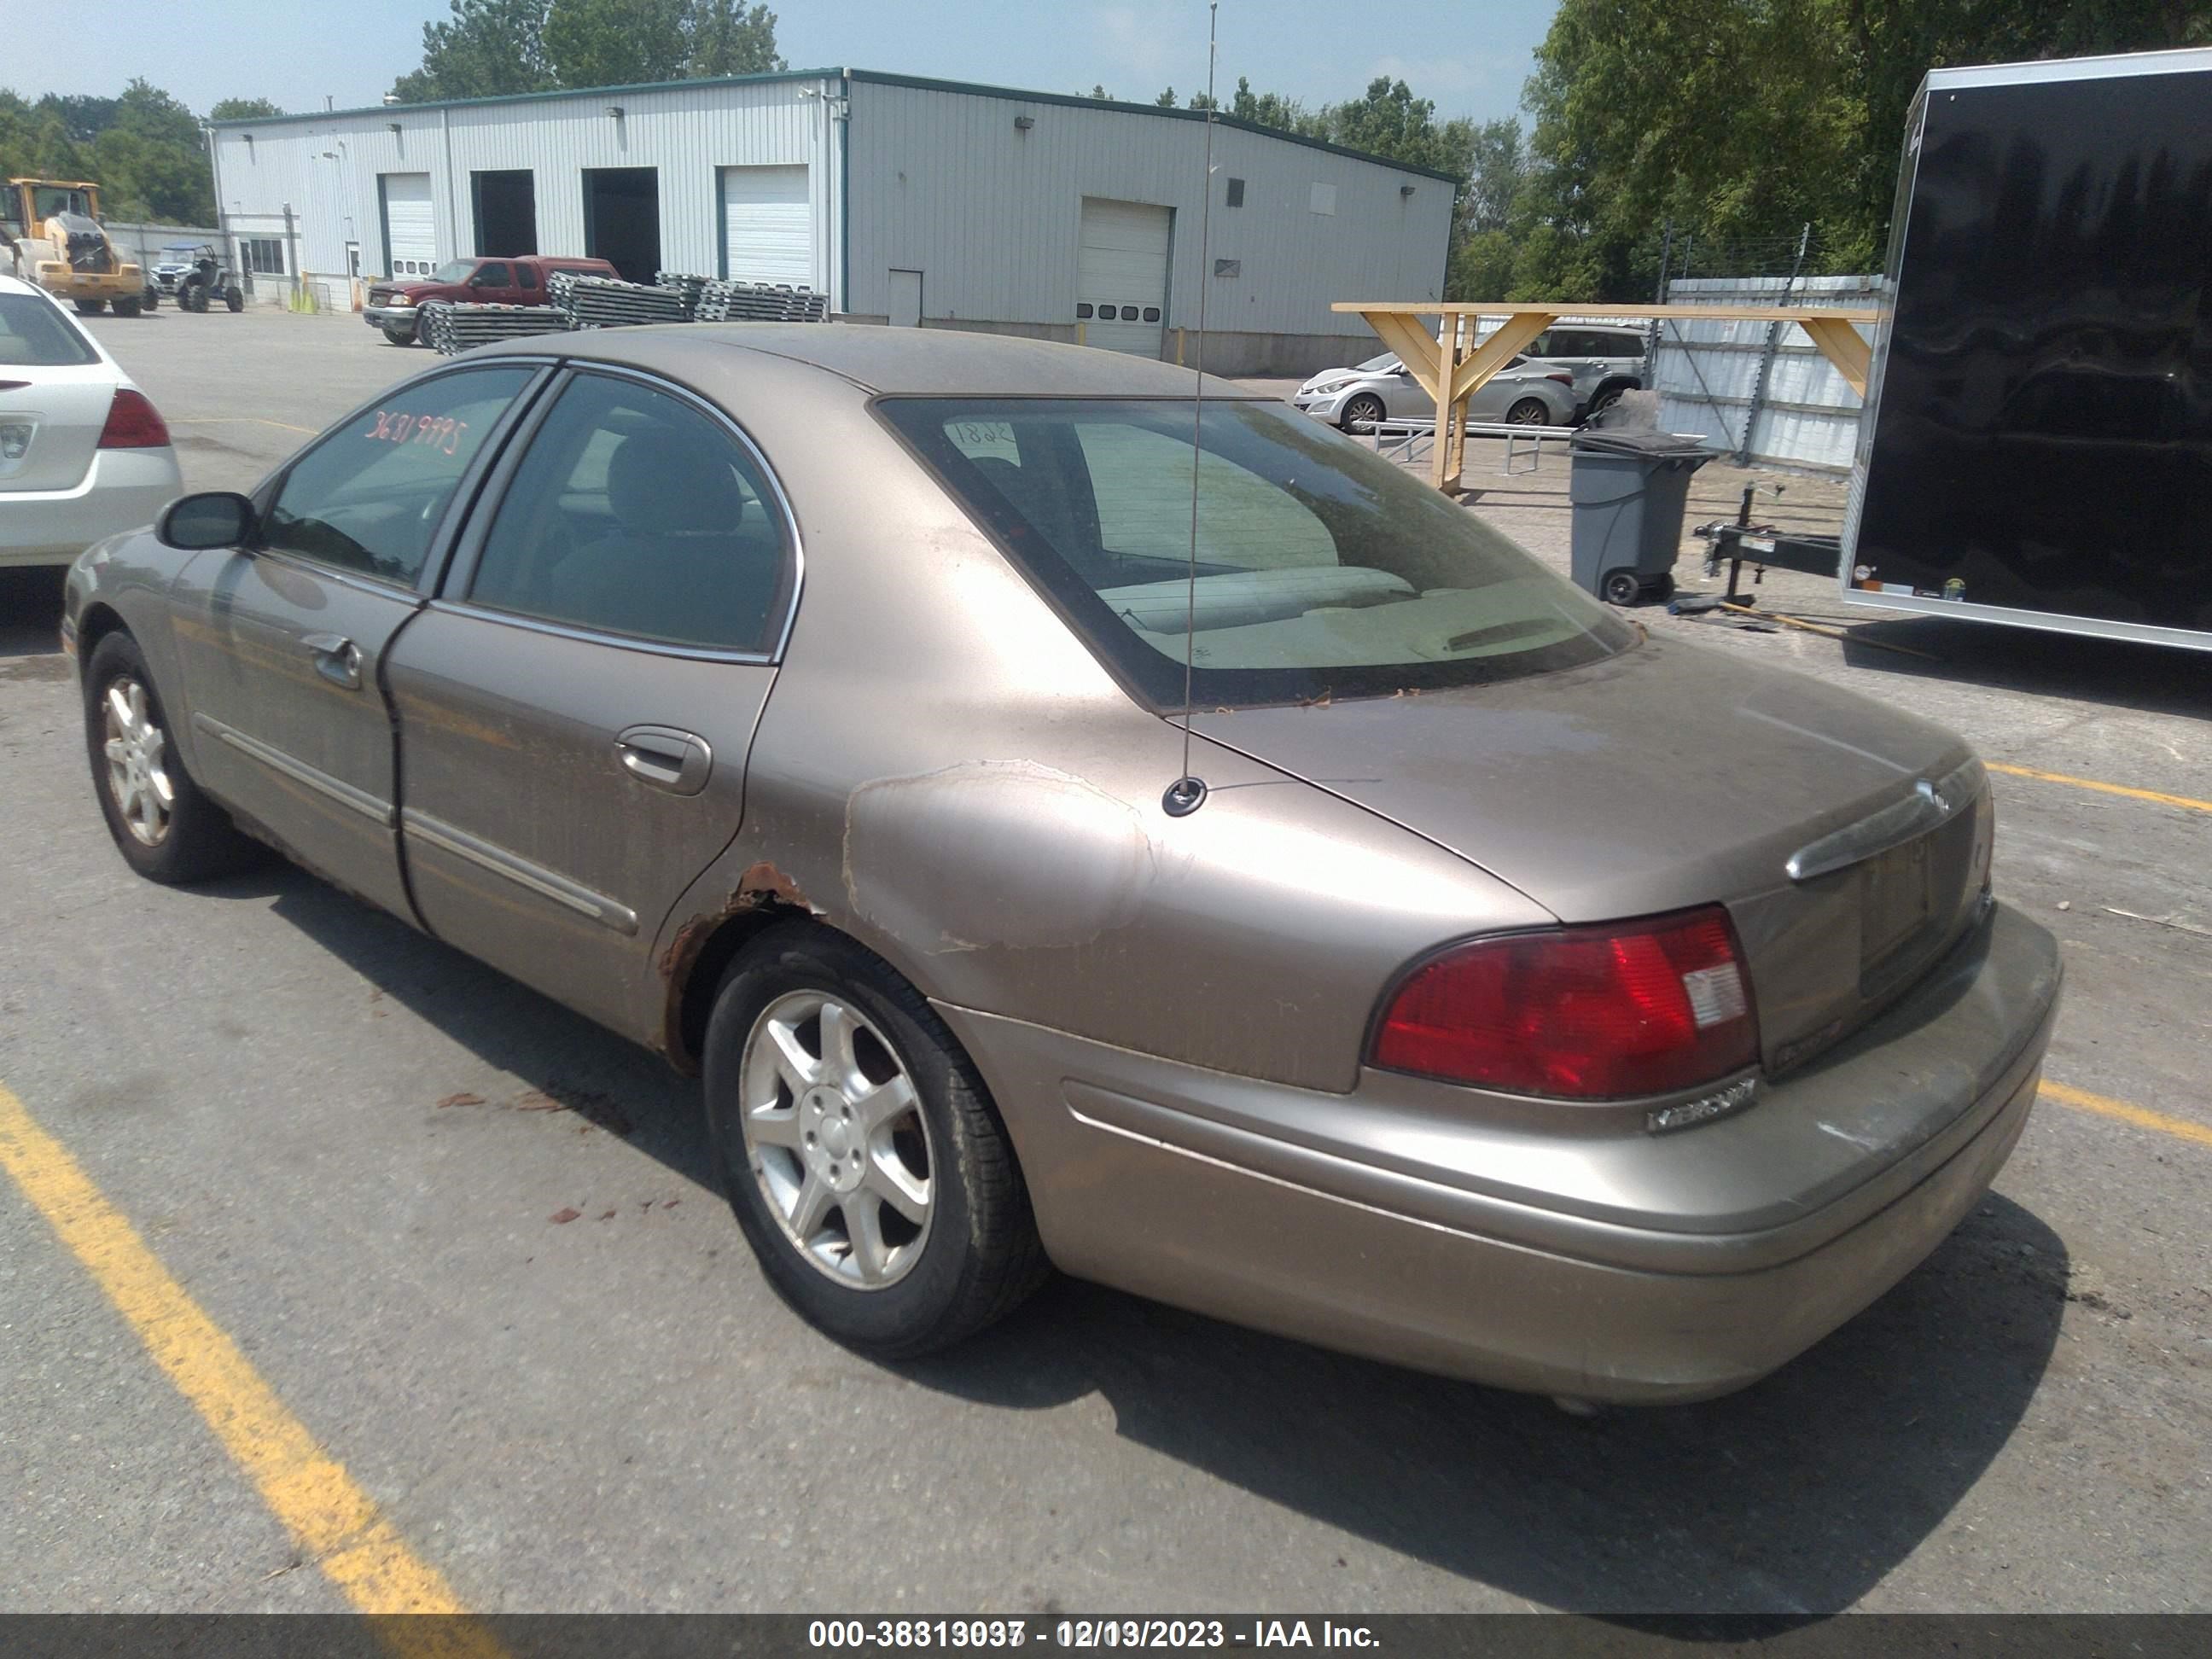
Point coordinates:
[(1628, 490)]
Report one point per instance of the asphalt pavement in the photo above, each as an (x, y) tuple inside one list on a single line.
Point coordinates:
[(350, 1147)]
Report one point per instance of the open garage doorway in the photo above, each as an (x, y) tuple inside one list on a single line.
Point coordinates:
[(506, 212), (621, 220)]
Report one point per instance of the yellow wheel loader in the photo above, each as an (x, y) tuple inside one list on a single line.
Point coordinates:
[(50, 230)]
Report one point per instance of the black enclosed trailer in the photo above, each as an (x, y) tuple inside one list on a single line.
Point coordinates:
[(2037, 445)]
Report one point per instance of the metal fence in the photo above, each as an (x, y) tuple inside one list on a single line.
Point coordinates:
[(1760, 391)]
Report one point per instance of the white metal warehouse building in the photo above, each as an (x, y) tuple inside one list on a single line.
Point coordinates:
[(906, 201)]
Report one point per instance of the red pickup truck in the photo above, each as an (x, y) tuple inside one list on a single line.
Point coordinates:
[(395, 305)]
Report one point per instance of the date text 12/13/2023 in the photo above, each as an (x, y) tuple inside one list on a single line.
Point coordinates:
[(870, 1635)]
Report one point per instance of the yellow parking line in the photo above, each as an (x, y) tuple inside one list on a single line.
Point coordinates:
[(234, 420), (2179, 1127), (2101, 789), (334, 1524)]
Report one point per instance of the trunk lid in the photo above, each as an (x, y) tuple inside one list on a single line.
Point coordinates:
[(51, 420), (1672, 777)]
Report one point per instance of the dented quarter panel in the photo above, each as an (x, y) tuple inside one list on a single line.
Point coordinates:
[(945, 772)]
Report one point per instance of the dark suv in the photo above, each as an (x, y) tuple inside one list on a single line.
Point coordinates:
[(395, 305)]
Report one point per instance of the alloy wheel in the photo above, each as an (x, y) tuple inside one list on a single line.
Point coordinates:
[(836, 1139), (136, 751)]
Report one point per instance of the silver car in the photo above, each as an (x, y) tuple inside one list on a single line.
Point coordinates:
[(1525, 392), (83, 452), (1293, 920)]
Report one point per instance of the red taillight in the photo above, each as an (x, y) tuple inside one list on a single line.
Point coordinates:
[(133, 422), (1564, 379), (1584, 1012)]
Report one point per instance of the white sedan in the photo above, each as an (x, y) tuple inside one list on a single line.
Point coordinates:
[(83, 452)]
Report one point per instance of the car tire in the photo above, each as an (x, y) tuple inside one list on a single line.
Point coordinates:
[(971, 1257), (1621, 587), (1529, 411), (1365, 407), (194, 299), (234, 298), (91, 307), (1605, 397), (399, 337), (128, 306), (193, 839), (151, 299)]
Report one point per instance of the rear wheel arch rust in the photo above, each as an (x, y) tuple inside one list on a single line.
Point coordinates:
[(692, 966)]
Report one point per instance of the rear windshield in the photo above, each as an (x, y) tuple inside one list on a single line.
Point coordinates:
[(34, 331), (1321, 569)]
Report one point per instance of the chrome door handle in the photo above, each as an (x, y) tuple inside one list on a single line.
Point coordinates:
[(337, 659), (665, 757)]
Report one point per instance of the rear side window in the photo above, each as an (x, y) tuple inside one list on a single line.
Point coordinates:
[(1321, 569), (368, 496), (34, 333), (492, 276), (636, 514), (526, 276)]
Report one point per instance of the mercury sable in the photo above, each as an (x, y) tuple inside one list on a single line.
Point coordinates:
[(1491, 987)]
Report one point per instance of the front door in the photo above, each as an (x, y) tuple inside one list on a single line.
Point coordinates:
[(282, 644), (576, 709)]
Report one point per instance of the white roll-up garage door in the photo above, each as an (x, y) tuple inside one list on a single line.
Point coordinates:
[(767, 225), (410, 230), (1122, 275)]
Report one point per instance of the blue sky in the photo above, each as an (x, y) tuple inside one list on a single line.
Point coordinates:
[(1469, 56)]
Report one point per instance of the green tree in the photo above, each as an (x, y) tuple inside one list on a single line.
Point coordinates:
[(606, 43), (487, 49), (1498, 164), (1269, 109), (151, 162), (490, 48), (1166, 99), (242, 109), (727, 36), (1741, 120), (83, 118), (1390, 121)]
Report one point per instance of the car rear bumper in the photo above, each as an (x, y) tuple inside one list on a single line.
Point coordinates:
[(1624, 1268), (122, 490)]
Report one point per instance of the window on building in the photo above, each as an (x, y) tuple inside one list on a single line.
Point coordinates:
[(1236, 192), (1083, 308), (1151, 313), (263, 255)]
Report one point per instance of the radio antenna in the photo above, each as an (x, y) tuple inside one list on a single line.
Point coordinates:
[(1188, 793)]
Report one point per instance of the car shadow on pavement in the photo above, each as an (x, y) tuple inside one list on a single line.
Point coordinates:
[(567, 1063), (2151, 679), (1794, 1496)]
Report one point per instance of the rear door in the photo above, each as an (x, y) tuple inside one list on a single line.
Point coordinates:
[(55, 390), (575, 708), (282, 644)]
